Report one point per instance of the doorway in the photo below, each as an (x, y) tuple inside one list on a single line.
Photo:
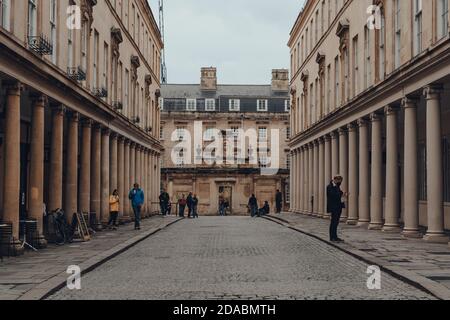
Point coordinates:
[(226, 193)]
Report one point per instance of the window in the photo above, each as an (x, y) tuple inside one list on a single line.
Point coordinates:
[(287, 191), (336, 81), (287, 106), (191, 104), (235, 105), (262, 105), (398, 34), (210, 105), (53, 28), (288, 133), (32, 18), (288, 161), (95, 65), (84, 46), (70, 48), (367, 59), (180, 158), (161, 103), (417, 26), (263, 160), (127, 91), (161, 133), (181, 133), (105, 66), (5, 14), (355, 76), (382, 48), (262, 134), (442, 18), (209, 133)]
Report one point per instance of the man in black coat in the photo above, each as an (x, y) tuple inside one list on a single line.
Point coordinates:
[(279, 201), (190, 204), (335, 204), (253, 205)]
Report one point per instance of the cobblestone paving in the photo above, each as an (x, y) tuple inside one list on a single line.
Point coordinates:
[(234, 258)]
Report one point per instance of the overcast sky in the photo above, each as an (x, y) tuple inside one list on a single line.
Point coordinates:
[(244, 39)]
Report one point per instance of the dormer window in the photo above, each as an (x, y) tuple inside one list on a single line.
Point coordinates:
[(235, 105), (191, 104), (262, 105), (210, 105)]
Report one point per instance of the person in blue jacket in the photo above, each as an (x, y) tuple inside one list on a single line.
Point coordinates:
[(136, 196)]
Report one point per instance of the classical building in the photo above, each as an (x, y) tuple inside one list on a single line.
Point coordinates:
[(228, 140), (79, 114), (371, 102)]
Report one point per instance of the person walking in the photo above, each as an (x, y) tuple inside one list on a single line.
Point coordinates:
[(182, 206), (136, 196), (335, 204), (221, 206), (114, 203), (253, 205), (189, 202), (279, 201), (194, 206), (164, 200)]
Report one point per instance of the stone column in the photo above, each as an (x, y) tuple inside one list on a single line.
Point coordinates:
[(105, 193), (306, 180), (293, 181), (121, 176), (299, 188), (411, 198), (138, 165), (126, 184), (56, 159), (316, 179), (36, 175), (321, 186), (11, 152), (113, 158), (85, 171), (144, 180), (343, 167), (132, 165), (376, 200), (96, 183), (392, 215), (328, 174), (352, 175), (310, 179), (435, 188), (71, 194), (334, 154), (364, 177)]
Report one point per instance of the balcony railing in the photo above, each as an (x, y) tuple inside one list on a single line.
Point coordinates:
[(76, 73), (100, 92), (40, 45)]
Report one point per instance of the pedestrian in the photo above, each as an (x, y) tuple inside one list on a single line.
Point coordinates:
[(253, 205), (136, 196), (164, 200), (335, 204), (114, 203), (221, 206), (279, 201), (189, 202), (194, 206), (182, 206), (265, 209)]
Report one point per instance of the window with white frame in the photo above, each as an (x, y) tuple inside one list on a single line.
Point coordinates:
[(262, 133), (181, 133), (235, 105), (191, 104), (70, 48), (262, 105), (95, 66), (287, 106), (287, 191), (5, 14), (53, 39), (417, 26), (161, 133), (263, 160), (180, 158), (367, 59), (442, 18), (210, 105), (209, 133), (32, 18), (398, 34), (382, 47), (84, 46), (288, 133), (288, 161), (161, 103)]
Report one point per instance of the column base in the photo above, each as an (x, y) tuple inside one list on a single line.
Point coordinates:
[(363, 223), (326, 216), (15, 249), (412, 233), (436, 238), (375, 226), (352, 221), (42, 242), (391, 228), (344, 219)]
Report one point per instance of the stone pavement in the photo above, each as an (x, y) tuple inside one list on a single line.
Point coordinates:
[(238, 258), (424, 264), (33, 275)]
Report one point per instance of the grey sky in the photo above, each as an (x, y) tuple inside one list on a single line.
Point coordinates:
[(244, 39)]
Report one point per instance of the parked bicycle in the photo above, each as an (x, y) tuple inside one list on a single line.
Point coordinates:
[(63, 230)]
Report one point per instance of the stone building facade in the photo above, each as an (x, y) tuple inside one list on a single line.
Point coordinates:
[(371, 101), (79, 92), (214, 112)]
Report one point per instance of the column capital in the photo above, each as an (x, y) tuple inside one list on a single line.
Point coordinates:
[(321, 140), (39, 99), (114, 135), (13, 87), (433, 91), (73, 116), (58, 108), (390, 110), (315, 143), (375, 117), (106, 131), (87, 123), (351, 127), (121, 139), (362, 122), (333, 135), (342, 131), (327, 138), (409, 102), (132, 144)]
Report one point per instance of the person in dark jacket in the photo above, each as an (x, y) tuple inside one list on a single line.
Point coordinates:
[(164, 200), (182, 206), (253, 205), (279, 201), (265, 210), (136, 195), (190, 204), (194, 206), (335, 204)]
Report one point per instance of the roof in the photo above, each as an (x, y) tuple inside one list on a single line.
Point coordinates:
[(181, 91)]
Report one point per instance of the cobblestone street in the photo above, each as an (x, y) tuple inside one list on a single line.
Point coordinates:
[(234, 258)]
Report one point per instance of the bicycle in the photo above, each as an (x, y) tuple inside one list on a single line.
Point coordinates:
[(63, 231)]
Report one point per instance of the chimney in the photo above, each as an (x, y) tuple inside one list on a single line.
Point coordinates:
[(280, 80), (208, 79)]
